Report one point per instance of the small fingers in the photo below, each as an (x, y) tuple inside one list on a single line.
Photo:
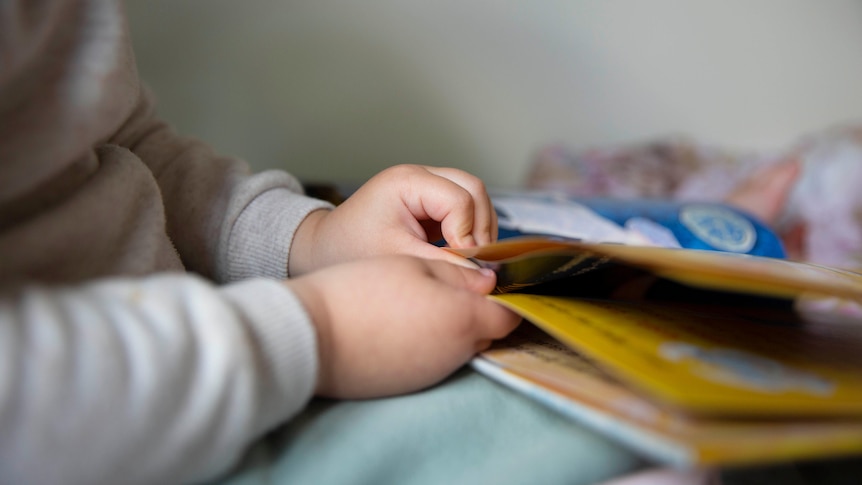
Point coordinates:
[(499, 321), (465, 276), (488, 319), (484, 218), (429, 251), (445, 203)]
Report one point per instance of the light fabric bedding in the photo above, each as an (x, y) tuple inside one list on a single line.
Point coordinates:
[(466, 430)]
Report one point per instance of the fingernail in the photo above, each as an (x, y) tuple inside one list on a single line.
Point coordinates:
[(487, 272)]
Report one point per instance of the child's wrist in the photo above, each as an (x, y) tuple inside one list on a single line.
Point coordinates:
[(302, 259), (316, 308)]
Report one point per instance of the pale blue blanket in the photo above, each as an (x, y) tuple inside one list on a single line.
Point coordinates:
[(467, 430)]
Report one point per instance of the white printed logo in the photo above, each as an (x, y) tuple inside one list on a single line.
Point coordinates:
[(721, 228)]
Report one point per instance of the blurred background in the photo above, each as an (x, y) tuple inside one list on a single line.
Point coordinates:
[(336, 90)]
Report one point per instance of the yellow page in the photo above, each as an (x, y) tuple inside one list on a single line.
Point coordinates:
[(709, 363), (566, 382)]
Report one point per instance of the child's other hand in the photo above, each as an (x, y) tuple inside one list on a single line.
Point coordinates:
[(397, 324), (401, 210)]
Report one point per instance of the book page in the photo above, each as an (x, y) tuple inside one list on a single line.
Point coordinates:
[(537, 366), (525, 261), (709, 363)]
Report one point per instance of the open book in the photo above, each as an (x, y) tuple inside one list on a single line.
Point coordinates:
[(692, 357)]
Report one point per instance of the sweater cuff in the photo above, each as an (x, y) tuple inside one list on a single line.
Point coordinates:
[(287, 343), (259, 243)]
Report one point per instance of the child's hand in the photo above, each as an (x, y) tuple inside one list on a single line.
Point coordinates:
[(401, 210), (398, 324)]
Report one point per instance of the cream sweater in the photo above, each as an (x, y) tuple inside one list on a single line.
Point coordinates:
[(144, 337)]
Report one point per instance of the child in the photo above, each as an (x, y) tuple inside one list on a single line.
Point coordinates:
[(148, 331)]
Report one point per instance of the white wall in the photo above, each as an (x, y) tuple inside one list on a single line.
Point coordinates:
[(337, 90)]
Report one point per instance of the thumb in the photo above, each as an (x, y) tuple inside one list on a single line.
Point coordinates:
[(422, 249), (477, 280), (489, 319)]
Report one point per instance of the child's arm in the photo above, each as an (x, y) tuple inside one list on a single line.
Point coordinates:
[(167, 379), (164, 379), (226, 223)]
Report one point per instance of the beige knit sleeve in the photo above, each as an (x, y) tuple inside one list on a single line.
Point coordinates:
[(226, 223)]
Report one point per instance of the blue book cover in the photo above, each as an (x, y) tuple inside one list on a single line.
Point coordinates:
[(693, 225)]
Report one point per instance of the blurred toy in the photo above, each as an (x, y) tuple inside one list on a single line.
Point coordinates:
[(809, 193)]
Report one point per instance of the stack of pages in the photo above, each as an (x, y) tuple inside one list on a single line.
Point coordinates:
[(692, 357)]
